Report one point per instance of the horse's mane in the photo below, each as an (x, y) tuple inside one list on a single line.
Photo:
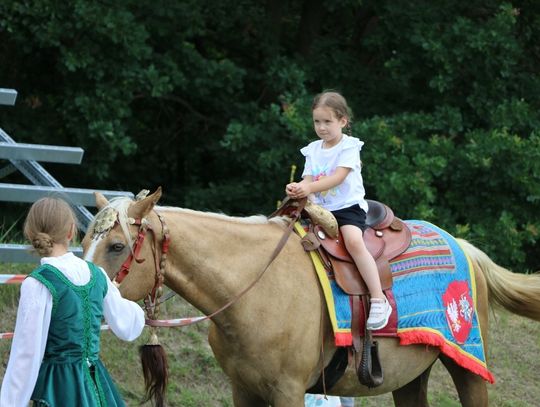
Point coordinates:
[(254, 219), (121, 205)]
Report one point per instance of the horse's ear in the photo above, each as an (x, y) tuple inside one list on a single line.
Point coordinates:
[(101, 201), (141, 208)]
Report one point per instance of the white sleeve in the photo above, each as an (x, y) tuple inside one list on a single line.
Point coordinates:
[(28, 346), (306, 152), (350, 155), (125, 317)]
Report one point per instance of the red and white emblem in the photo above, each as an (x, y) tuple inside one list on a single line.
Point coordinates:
[(459, 310)]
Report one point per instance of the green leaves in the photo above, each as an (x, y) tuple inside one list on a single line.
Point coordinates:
[(212, 101)]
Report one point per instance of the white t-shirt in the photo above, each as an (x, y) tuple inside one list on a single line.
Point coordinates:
[(321, 162)]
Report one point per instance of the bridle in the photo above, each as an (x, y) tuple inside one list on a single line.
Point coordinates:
[(159, 254), (108, 219)]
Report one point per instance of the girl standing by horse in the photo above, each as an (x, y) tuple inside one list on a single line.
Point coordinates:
[(332, 176), (54, 358)]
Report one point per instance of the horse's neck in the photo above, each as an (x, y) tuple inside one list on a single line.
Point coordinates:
[(212, 259)]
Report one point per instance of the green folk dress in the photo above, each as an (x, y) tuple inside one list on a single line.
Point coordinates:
[(71, 374)]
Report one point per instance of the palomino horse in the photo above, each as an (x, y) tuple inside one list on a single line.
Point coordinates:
[(269, 341)]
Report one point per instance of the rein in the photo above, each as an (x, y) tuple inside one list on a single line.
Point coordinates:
[(284, 238)]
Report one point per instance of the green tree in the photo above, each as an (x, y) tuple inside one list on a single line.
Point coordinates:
[(211, 100)]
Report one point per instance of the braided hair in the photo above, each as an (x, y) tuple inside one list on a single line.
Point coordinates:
[(49, 221)]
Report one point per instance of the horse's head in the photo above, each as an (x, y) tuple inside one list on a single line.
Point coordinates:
[(121, 239)]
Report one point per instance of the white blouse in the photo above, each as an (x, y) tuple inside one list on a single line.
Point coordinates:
[(125, 318), (322, 162)]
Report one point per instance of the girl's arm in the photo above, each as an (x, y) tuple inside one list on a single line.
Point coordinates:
[(125, 317), (292, 189), (28, 346), (308, 186)]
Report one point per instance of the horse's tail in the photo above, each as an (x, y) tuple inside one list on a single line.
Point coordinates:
[(518, 293), (155, 371)]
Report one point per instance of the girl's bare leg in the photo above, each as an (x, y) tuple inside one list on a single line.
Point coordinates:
[(380, 309), (354, 241)]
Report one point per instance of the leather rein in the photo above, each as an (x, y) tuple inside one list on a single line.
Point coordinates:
[(160, 256)]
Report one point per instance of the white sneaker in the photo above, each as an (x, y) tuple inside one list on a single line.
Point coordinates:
[(379, 314)]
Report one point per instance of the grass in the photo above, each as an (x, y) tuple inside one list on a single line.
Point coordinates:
[(196, 379)]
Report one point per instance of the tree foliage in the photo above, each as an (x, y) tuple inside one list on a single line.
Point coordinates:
[(211, 100)]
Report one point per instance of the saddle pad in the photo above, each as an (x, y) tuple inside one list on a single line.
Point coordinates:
[(435, 292)]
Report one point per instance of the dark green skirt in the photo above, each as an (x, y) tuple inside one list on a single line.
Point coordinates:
[(75, 384)]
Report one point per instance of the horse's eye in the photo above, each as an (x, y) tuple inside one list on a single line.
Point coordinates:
[(116, 247)]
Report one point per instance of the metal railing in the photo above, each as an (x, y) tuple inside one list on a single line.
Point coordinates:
[(24, 158)]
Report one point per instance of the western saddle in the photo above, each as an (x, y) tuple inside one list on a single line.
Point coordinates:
[(386, 238)]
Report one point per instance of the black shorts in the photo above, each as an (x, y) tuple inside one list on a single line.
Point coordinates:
[(353, 215)]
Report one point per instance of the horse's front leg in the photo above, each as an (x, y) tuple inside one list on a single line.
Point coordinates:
[(242, 398), (289, 400), (288, 393)]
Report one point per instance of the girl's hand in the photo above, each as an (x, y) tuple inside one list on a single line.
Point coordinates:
[(290, 189), (297, 190), (302, 190)]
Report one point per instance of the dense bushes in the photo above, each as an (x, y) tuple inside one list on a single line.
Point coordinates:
[(211, 100)]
